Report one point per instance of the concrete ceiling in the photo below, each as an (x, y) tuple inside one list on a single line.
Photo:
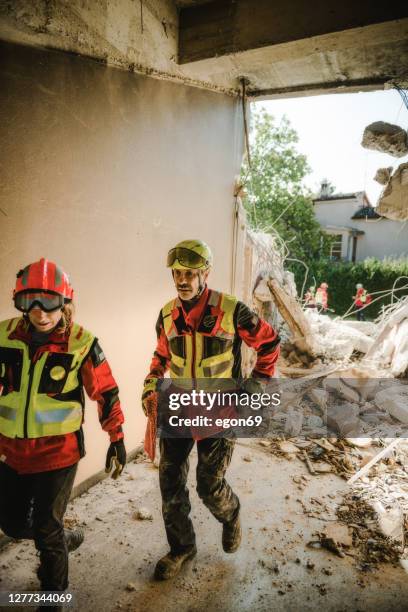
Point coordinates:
[(284, 47), (281, 47)]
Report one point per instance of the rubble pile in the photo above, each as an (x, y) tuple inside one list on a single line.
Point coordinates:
[(390, 349), (370, 545)]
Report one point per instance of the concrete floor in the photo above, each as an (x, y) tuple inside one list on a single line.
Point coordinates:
[(269, 572)]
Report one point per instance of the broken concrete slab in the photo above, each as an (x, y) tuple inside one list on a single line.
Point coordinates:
[(344, 419), (293, 424), (395, 401), (337, 385), (393, 202), (385, 137)]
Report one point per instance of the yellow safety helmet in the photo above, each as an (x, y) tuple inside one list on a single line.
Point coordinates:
[(190, 254)]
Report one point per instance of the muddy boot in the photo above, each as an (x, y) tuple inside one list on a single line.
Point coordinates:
[(74, 538), (231, 535), (170, 565)]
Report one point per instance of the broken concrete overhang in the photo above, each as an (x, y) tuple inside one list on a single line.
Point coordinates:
[(306, 55), (348, 45)]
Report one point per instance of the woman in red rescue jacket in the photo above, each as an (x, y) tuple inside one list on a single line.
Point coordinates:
[(46, 360)]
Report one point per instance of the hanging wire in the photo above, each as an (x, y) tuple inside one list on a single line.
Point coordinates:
[(404, 95), (244, 83)]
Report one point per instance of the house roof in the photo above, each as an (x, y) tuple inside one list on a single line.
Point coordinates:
[(343, 196), (366, 212)]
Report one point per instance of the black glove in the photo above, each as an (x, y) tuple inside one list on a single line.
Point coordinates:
[(115, 458)]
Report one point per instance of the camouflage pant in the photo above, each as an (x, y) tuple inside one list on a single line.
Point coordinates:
[(214, 456)]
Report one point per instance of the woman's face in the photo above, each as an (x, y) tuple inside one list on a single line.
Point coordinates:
[(44, 321)]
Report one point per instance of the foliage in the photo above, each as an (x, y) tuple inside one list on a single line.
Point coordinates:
[(277, 200), (374, 274)]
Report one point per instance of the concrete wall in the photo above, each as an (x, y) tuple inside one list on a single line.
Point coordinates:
[(336, 212), (103, 171), (382, 237)]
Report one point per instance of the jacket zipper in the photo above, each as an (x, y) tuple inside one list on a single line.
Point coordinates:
[(193, 359), (30, 382)]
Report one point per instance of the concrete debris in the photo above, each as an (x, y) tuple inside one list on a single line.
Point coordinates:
[(390, 347), (385, 137), (383, 175), (359, 442), (391, 521), (395, 401), (143, 514), (288, 447), (293, 424), (131, 586), (393, 202), (344, 419), (342, 389), (336, 339), (371, 546)]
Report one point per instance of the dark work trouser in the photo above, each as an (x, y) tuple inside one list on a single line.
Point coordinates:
[(214, 456), (33, 506)]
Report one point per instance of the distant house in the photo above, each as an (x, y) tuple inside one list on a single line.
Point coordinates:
[(358, 229)]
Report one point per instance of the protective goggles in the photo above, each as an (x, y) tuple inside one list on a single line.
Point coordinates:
[(46, 301), (186, 258)]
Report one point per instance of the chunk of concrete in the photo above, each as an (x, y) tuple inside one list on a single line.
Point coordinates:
[(395, 401), (294, 422), (390, 521), (385, 137), (339, 386), (344, 419), (393, 202), (383, 175)]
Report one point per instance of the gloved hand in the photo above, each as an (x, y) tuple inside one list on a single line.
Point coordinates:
[(116, 458), (149, 403)]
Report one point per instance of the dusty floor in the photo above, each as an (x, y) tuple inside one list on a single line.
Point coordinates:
[(269, 572)]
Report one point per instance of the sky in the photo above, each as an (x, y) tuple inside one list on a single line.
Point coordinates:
[(330, 129)]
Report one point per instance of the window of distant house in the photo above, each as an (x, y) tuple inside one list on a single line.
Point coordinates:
[(335, 252)]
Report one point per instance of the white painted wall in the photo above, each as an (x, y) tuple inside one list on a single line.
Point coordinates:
[(382, 238), (103, 171)]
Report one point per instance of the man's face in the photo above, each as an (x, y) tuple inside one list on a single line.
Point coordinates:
[(188, 282)]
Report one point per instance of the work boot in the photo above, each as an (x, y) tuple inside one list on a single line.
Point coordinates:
[(170, 565), (231, 535), (74, 538)]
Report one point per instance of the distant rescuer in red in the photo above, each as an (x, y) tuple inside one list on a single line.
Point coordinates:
[(199, 336), (46, 360)]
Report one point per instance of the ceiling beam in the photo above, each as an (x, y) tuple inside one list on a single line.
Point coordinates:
[(224, 27)]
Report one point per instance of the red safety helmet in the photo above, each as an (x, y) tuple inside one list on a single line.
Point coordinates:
[(42, 278)]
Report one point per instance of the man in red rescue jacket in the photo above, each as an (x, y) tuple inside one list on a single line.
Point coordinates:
[(199, 336)]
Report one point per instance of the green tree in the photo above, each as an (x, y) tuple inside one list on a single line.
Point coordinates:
[(277, 199)]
